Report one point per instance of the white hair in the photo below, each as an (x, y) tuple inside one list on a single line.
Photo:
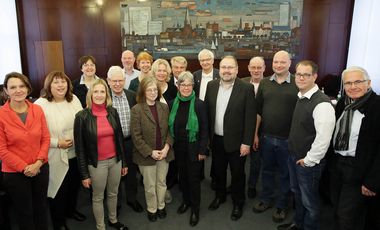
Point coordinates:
[(356, 69), (114, 70)]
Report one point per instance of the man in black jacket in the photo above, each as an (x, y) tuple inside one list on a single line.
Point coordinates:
[(123, 100), (232, 118), (355, 159)]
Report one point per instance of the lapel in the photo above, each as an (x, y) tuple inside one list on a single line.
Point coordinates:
[(214, 88), (215, 74), (234, 93), (148, 113)]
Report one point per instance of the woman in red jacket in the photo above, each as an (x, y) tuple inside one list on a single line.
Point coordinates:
[(24, 145)]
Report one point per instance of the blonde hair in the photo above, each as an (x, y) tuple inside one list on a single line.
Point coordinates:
[(159, 62), (91, 91)]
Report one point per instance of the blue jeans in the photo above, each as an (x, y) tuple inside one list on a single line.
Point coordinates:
[(274, 153), (304, 183)]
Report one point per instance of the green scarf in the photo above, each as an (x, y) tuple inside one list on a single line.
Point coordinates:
[(192, 125)]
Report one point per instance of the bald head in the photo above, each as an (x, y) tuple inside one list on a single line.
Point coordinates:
[(281, 63), (128, 59), (256, 68)]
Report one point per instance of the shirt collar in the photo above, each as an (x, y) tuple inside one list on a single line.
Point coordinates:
[(121, 96), (274, 77), (82, 79), (207, 74), (309, 93)]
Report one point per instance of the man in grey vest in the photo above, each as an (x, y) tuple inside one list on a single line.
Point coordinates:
[(309, 138)]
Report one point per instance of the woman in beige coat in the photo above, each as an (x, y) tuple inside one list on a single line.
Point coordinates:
[(152, 145)]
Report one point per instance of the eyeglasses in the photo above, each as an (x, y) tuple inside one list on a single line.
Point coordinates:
[(88, 65), (353, 83), (186, 85), (205, 60), (152, 90), (304, 75), (227, 67), (117, 81)]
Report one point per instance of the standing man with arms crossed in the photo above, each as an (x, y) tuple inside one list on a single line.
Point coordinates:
[(309, 138), (128, 61), (276, 99), (232, 119), (256, 68), (355, 160), (123, 100)]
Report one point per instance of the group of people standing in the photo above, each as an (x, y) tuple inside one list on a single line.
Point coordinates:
[(94, 132)]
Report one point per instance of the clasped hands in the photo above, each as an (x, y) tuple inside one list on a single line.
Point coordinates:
[(33, 169), (160, 154)]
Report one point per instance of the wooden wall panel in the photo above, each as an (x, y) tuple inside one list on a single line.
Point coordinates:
[(87, 28)]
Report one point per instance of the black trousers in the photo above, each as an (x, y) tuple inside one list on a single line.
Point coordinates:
[(29, 196), (189, 176), (65, 201), (350, 206), (221, 159), (129, 180)]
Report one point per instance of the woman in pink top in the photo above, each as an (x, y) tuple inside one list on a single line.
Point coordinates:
[(24, 145), (99, 147)]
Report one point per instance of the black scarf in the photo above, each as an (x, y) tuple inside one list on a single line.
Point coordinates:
[(343, 136)]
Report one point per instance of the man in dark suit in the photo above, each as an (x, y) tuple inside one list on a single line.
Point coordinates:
[(206, 74), (179, 65), (232, 118), (123, 100), (354, 162)]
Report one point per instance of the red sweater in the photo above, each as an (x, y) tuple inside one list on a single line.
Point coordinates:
[(106, 142), (23, 144)]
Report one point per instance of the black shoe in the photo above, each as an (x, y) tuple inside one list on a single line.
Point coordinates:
[(229, 188), (251, 193), (61, 227), (152, 217), (288, 226), (216, 203), (237, 212), (194, 218), (77, 216), (136, 206), (182, 208), (161, 213), (117, 225)]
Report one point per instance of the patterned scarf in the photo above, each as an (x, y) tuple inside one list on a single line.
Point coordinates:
[(343, 135)]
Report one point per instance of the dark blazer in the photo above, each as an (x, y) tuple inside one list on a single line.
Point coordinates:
[(131, 97), (240, 116), (80, 90), (367, 155), (198, 78), (171, 92), (143, 131), (199, 146), (86, 139)]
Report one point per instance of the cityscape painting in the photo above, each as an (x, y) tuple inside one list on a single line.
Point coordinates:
[(242, 28)]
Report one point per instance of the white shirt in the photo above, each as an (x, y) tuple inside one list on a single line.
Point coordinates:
[(324, 123), (206, 78), (130, 77), (354, 135), (221, 106)]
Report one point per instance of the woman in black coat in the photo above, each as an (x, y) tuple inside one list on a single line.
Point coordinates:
[(188, 125)]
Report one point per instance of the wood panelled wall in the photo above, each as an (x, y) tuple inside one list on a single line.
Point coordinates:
[(87, 28)]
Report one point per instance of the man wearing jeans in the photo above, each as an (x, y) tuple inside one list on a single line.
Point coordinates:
[(309, 138), (276, 99)]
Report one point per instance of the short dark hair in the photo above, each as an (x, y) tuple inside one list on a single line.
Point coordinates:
[(84, 59), (144, 84), (313, 65), (47, 85), (20, 76)]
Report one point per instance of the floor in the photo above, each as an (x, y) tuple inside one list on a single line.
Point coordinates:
[(209, 220)]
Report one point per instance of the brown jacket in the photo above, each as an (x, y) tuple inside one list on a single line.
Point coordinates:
[(143, 131)]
